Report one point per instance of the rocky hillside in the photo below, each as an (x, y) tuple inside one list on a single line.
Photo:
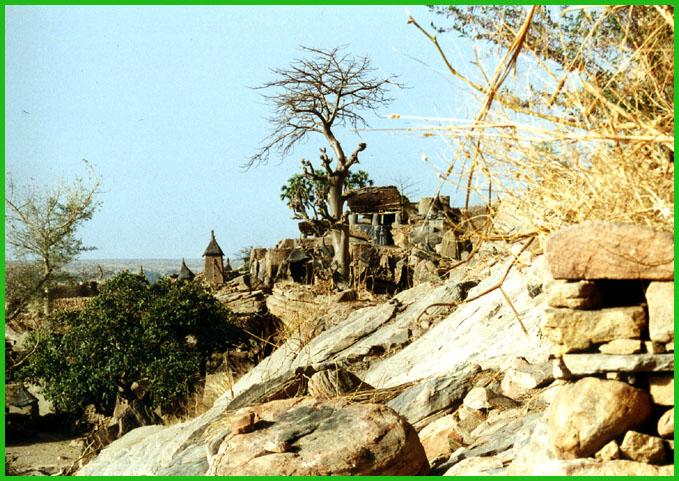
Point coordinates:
[(500, 369)]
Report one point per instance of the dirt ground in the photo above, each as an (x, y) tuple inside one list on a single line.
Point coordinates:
[(48, 454)]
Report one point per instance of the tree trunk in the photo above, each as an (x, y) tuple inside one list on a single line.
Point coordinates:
[(339, 231), (46, 289)]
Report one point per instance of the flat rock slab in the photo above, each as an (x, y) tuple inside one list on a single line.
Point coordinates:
[(333, 382), (621, 346), (590, 467), (605, 250), (304, 437), (291, 384), (433, 395), (586, 364), (575, 295)]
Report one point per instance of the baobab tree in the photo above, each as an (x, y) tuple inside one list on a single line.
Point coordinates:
[(326, 90)]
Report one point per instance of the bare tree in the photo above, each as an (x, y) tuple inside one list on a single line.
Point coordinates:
[(315, 95), (42, 223)]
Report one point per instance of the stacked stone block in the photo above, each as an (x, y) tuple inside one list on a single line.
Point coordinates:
[(611, 324)]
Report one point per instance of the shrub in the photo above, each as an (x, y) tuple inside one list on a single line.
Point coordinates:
[(157, 336)]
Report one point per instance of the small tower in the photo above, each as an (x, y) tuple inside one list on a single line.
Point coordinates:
[(214, 262), (185, 273)]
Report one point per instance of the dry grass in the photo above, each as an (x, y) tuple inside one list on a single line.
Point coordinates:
[(300, 329), (580, 146)]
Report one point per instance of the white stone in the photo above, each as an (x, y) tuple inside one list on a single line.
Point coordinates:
[(478, 398)]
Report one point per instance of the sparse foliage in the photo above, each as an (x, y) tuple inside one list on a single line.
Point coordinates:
[(243, 255), (315, 95), (307, 198), (42, 226)]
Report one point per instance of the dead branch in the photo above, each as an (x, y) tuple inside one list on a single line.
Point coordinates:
[(497, 285)]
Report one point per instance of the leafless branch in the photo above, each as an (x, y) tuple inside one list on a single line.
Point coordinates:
[(327, 89)]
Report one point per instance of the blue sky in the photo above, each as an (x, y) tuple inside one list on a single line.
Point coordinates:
[(159, 100)]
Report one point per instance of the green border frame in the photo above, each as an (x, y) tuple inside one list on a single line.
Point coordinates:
[(254, 3)]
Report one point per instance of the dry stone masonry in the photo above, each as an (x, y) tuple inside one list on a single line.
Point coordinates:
[(611, 322)]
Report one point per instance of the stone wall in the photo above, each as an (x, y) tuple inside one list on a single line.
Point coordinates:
[(611, 324)]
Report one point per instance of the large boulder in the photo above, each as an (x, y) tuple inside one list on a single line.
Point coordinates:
[(605, 250), (589, 413), (308, 437)]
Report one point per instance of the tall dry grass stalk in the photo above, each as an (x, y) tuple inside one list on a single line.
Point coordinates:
[(581, 142)]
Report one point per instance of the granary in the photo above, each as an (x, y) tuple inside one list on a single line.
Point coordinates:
[(374, 210), (214, 263), (185, 274)]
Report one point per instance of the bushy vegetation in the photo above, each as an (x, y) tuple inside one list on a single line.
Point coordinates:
[(307, 196), (132, 335)]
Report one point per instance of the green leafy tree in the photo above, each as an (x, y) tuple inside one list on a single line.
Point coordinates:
[(307, 197), (42, 227), (158, 336)]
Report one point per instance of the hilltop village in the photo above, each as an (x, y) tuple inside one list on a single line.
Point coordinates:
[(478, 356)]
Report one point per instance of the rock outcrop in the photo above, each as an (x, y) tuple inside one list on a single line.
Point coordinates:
[(541, 377), (307, 437)]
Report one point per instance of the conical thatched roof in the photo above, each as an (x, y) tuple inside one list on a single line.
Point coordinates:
[(213, 248), (185, 273)]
